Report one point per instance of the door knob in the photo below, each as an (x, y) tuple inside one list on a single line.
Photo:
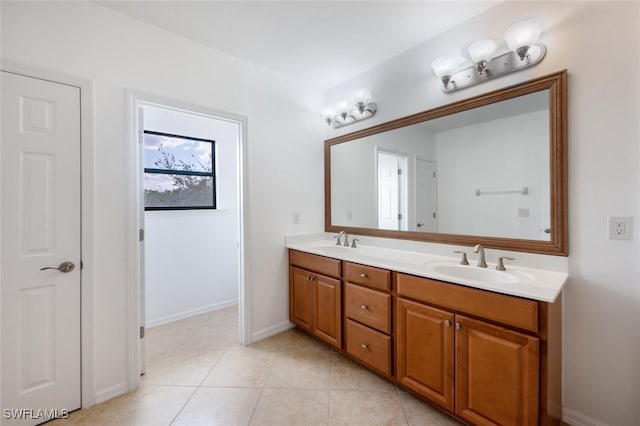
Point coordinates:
[(419, 225), (64, 267)]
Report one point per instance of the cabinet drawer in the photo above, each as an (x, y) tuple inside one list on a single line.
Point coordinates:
[(510, 310), (368, 275), (315, 263), (369, 346), (370, 307)]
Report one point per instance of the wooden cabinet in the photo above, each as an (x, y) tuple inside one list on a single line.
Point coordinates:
[(315, 300), (485, 357), (425, 351), (368, 316), (495, 369), (496, 374)]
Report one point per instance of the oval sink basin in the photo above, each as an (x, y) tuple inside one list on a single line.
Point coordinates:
[(469, 272)]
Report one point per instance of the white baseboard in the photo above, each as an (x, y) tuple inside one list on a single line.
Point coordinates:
[(111, 392), (186, 314), (574, 418), (271, 331)]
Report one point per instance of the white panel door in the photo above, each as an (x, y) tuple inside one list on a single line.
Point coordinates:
[(40, 184), (426, 220), (388, 192)]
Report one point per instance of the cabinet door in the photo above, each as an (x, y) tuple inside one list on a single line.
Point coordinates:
[(327, 310), (424, 356), (301, 298), (496, 374)]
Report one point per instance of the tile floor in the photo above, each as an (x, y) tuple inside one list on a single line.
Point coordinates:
[(198, 374)]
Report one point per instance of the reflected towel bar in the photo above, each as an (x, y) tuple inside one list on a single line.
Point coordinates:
[(524, 191)]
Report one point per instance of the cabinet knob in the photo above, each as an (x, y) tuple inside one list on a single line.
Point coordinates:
[(365, 346), (363, 275), (458, 326), (365, 307), (447, 323), (309, 278)]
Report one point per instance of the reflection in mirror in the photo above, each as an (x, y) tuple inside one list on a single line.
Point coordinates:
[(489, 169), (483, 171)]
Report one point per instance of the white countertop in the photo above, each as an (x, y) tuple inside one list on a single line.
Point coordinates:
[(537, 284)]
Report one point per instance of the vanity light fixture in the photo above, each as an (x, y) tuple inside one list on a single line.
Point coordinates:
[(521, 38), (360, 107)]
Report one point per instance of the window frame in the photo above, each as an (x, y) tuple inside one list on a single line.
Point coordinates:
[(211, 174)]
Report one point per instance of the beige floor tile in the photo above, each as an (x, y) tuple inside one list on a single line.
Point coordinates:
[(420, 413), (295, 407), (179, 367), (225, 316), (243, 367), (148, 405), (292, 340), (212, 337), (219, 406), (168, 337), (365, 408), (347, 375), (300, 370)]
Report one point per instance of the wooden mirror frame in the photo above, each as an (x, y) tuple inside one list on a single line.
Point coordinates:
[(558, 245)]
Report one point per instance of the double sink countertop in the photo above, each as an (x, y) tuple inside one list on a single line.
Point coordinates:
[(536, 284)]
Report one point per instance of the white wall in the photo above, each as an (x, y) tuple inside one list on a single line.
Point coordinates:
[(596, 42), (191, 256), (284, 167), (512, 155)]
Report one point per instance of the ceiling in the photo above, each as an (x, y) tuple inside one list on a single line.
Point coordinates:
[(320, 42)]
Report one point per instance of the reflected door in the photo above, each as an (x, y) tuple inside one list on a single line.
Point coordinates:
[(391, 191), (40, 158), (426, 220)]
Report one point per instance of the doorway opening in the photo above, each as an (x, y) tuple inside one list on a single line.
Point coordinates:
[(189, 172)]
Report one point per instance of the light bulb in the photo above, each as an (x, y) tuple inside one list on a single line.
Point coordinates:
[(361, 96), (482, 50), (328, 112), (446, 65), (343, 107), (521, 35)]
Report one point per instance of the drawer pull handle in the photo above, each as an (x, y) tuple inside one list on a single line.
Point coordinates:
[(365, 346), (365, 307), (447, 323), (363, 275)]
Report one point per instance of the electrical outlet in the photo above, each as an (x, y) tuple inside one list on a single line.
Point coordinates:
[(296, 218), (620, 227), (523, 212)]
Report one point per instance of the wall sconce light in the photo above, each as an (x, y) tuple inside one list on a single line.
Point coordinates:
[(360, 107), (521, 38)]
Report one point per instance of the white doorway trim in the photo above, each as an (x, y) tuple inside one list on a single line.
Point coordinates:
[(87, 146), (135, 99)]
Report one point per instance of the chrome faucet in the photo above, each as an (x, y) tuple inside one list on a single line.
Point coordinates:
[(479, 248), (346, 239)]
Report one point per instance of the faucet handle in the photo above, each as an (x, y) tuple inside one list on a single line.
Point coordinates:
[(500, 265), (338, 243), (464, 260), (353, 242)]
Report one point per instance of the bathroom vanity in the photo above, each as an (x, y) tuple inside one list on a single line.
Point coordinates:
[(482, 344), (487, 352)]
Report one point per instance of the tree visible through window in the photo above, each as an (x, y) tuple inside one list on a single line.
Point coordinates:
[(178, 172)]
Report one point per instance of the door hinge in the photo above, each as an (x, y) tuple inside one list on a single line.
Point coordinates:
[(399, 216), (81, 264), (141, 332), (434, 215), (434, 174), (399, 171), (141, 235)]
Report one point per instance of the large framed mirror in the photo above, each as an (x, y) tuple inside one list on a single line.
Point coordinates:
[(491, 169)]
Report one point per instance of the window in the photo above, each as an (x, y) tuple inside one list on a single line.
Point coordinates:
[(178, 172)]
